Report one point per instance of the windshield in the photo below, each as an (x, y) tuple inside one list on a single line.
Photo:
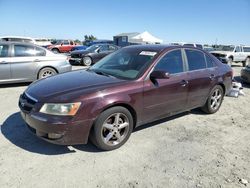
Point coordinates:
[(93, 48), (59, 42), (226, 48), (126, 63)]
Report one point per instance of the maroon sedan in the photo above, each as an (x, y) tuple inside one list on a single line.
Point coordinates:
[(128, 88)]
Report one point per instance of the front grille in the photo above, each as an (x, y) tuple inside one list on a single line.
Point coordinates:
[(75, 55), (26, 102)]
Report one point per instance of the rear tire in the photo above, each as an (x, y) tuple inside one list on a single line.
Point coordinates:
[(86, 61), (214, 100), (46, 72), (112, 128), (55, 50)]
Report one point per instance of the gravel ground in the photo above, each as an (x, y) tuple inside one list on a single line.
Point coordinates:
[(188, 150)]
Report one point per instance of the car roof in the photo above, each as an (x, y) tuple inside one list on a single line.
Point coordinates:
[(22, 43), (152, 47)]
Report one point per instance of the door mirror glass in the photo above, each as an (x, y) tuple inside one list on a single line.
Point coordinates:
[(159, 75)]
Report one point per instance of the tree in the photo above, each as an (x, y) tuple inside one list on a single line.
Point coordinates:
[(89, 38)]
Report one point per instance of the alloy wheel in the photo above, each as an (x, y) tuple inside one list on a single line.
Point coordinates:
[(216, 99), (115, 129)]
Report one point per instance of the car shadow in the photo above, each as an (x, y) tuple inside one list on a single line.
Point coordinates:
[(15, 130), (15, 85)]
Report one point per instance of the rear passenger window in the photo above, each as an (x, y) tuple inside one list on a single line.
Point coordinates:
[(210, 62), (40, 52), (24, 51), (171, 62), (4, 50), (196, 60)]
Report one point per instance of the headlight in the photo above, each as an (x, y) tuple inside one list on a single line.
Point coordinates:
[(68, 109)]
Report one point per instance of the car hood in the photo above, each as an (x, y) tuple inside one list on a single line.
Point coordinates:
[(80, 52), (68, 86)]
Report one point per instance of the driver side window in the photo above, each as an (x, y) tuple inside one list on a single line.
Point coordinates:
[(171, 62)]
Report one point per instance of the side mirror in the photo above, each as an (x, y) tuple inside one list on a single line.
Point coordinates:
[(61, 44), (159, 75)]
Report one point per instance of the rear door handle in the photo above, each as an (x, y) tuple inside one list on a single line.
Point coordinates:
[(37, 60), (184, 83)]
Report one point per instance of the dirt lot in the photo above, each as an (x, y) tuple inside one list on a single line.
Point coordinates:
[(188, 150)]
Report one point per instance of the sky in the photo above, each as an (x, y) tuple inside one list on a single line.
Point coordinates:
[(203, 21)]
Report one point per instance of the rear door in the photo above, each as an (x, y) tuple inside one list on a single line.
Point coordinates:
[(238, 55), (200, 79), (24, 63), (166, 96), (5, 73)]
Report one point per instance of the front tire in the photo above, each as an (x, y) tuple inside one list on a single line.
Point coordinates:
[(247, 62), (46, 72), (230, 61), (87, 61), (214, 100), (112, 128)]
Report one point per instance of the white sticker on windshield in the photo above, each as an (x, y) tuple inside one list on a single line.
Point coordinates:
[(148, 53)]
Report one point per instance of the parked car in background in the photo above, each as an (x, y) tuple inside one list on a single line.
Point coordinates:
[(208, 48), (245, 74), (62, 46), (92, 54), (188, 44), (44, 42), (24, 62), (130, 87), (80, 47), (17, 39), (92, 42), (230, 53)]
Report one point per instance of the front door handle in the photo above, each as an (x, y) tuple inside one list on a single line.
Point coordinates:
[(184, 83), (37, 60), (212, 76)]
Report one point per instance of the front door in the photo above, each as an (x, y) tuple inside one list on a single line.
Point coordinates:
[(166, 96)]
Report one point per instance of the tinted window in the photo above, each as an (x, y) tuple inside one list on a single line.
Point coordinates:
[(65, 42), (23, 51), (4, 50), (196, 60), (246, 49), (171, 62), (210, 62), (237, 49), (104, 48), (40, 52), (192, 45), (112, 48), (199, 46)]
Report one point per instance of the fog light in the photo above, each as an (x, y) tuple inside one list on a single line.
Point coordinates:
[(54, 135)]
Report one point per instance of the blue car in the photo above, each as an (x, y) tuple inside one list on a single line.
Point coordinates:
[(82, 47)]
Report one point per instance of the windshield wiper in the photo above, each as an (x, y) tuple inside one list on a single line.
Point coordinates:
[(99, 72)]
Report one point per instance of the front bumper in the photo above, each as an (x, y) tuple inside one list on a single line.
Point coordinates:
[(75, 60), (67, 131), (245, 75)]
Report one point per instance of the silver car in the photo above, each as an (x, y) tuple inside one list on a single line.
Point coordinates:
[(25, 62)]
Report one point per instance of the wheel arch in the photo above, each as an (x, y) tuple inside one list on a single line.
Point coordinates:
[(128, 107), (41, 68)]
